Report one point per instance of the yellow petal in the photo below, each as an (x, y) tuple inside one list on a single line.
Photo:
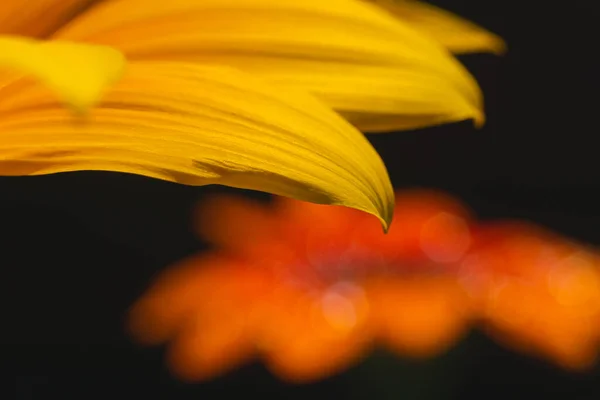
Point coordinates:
[(77, 73), (200, 125), (38, 18), (455, 33), (328, 47), (423, 98)]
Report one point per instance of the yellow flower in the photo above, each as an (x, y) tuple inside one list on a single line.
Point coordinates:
[(154, 114), (216, 91)]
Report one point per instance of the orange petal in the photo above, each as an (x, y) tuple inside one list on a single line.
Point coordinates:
[(243, 226), (509, 249), (207, 349), (284, 232), (538, 293), (176, 295), (418, 317), (320, 232), (210, 307), (542, 326), (38, 18), (313, 337)]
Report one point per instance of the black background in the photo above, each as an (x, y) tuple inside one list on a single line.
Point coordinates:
[(78, 248)]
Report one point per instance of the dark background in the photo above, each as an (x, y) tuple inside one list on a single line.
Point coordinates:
[(78, 248)]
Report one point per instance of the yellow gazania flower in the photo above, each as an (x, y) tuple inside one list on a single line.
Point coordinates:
[(156, 115), (177, 113)]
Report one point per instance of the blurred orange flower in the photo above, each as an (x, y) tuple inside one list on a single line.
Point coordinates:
[(310, 289)]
